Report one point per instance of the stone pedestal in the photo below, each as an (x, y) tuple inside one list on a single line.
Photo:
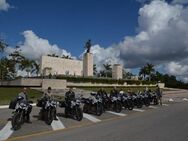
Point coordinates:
[(117, 71), (88, 64)]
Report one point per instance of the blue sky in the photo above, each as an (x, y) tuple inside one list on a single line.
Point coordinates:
[(129, 32), (69, 23)]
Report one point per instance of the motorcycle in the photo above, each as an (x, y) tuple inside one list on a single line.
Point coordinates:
[(115, 104), (154, 98), (145, 99), (127, 102), (20, 113), (74, 109), (137, 99), (48, 111), (93, 104)]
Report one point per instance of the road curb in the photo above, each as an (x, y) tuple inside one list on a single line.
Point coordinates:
[(7, 106)]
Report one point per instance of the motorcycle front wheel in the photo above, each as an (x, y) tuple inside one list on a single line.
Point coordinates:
[(49, 115), (99, 109), (16, 121), (118, 107), (79, 114)]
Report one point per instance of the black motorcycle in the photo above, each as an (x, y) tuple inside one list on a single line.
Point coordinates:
[(154, 98), (127, 102), (93, 105), (138, 100), (115, 104), (20, 113), (73, 109), (145, 99), (48, 111)]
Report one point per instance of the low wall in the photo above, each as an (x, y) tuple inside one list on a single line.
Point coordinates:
[(62, 84), (34, 82), (11, 83), (87, 84), (29, 82), (54, 84)]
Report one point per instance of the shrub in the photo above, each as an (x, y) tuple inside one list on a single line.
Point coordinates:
[(78, 79)]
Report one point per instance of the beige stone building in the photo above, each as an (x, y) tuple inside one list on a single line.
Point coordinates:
[(117, 71), (60, 66)]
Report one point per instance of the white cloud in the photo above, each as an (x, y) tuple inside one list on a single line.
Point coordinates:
[(176, 68), (102, 56), (4, 6), (162, 38), (34, 47)]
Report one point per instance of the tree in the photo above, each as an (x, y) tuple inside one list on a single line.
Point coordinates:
[(7, 70), (66, 57), (102, 73), (36, 68), (143, 72), (3, 61), (27, 65), (16, 56), (108, 70), (149, 70), (94, 69), (127, 75), (3, 45)]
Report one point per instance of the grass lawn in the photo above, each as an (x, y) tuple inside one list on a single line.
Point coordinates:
[(9, 93)]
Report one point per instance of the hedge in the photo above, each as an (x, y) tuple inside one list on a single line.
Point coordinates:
[(78, 79)]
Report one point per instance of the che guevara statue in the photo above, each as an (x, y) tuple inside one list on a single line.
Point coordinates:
[(88, 46)]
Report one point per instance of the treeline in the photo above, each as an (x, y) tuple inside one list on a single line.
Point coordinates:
[(148, 73)]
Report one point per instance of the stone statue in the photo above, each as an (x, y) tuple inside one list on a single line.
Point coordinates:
[(88, 46)]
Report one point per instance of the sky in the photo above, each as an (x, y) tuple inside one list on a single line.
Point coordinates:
[(129, 32)]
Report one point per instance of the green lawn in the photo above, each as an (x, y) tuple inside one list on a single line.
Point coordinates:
[(9, 93)]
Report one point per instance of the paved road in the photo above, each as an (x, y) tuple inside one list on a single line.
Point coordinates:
[(161, 124)]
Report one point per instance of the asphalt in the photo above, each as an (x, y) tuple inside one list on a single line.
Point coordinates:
[(162, 124)]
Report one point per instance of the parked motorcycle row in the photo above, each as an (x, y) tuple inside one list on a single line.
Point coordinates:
[(95, 104)]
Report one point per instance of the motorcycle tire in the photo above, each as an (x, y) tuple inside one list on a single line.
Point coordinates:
[(118, 107), (155, 101), (16, 121), (79, 114), (85, 109), (99, 110), (49, 115)]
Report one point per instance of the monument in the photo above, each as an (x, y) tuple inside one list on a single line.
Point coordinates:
[(60, 66), (88, 61), (117, 71)]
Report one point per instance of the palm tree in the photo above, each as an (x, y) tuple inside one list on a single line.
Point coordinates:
[(149, 70), (66, 57), (127, 75), (102, 73), (95, 69), (36, 67), (143, 72), (107, 69)]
